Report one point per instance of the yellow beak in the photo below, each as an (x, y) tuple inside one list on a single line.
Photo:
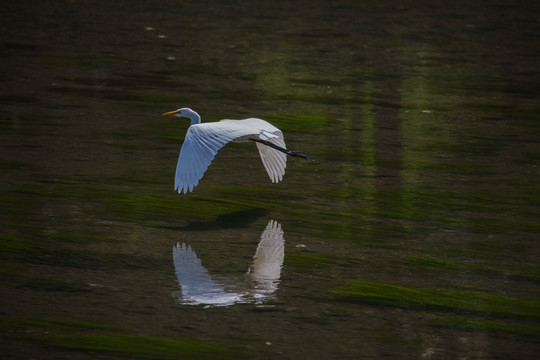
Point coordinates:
[(170, 112)]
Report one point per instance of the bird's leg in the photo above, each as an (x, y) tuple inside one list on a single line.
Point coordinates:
[(279, 148)]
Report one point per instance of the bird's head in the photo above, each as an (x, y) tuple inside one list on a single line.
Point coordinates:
[(185, 112), (182, 112)]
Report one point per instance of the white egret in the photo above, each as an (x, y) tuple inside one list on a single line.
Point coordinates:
[(203, 141)]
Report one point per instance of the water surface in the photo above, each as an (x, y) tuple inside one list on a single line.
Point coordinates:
[(411, 232)]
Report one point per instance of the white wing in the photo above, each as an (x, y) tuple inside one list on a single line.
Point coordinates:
[(274, 161), (203, 141)]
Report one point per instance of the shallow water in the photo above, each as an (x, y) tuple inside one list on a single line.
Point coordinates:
[(411, 231)]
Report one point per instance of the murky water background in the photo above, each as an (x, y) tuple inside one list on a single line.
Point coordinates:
[(412, 231)]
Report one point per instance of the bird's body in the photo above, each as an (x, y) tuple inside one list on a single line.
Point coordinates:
[(204, 140)]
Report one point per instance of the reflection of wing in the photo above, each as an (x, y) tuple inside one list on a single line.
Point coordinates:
[(197, 285), (199, 288), (268, 258)]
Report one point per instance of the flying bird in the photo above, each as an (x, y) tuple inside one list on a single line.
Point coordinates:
[(204, 140)]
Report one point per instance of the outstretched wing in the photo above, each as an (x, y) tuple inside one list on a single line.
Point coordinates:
[(203, 141), (201, 144), (274, 161)]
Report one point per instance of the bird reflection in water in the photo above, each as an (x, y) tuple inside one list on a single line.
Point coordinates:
[(258, 285)]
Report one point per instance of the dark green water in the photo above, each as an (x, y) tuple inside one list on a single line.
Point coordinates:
[(411, 232)]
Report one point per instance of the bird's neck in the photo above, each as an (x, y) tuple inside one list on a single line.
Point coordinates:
[(195, 118)]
